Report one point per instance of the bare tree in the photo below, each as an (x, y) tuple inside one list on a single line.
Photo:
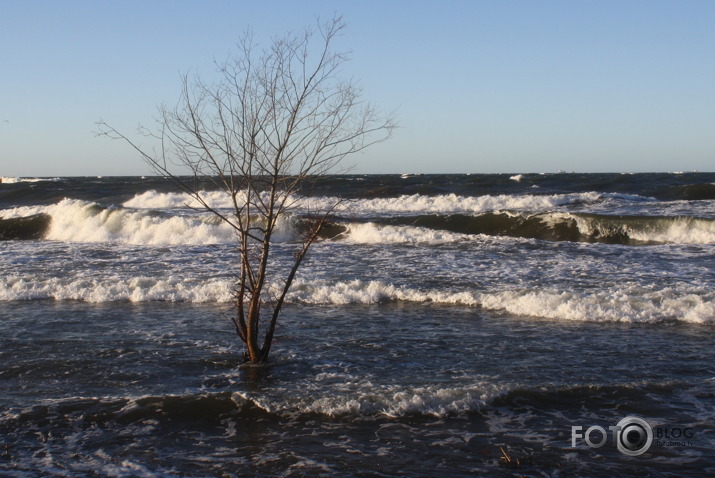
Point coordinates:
[(277, 118)]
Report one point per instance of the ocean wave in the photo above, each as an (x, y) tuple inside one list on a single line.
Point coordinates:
[(452, 203), (116, 289), (553, 226), (363, 398), (453, 216), (157, 200), (215, 407), (360, 398), (218, 290), (153, 218), (372, 233), (15, 180), (646, 229), (370, 292), (444, 203), (629, 304), (73, 220), (81, 221)]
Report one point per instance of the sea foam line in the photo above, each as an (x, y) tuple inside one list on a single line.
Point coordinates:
[(629, 304), (414, 203), (15, 180), (116, 289)]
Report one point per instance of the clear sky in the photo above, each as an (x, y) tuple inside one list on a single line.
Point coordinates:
[(479, 86)]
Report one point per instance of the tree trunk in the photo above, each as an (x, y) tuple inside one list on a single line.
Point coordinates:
[(253, 322)]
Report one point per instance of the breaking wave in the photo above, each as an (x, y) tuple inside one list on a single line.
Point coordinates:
[(553, 226), (445, 203), (73, 220), (81, 221), (628, 304), (116, 289)]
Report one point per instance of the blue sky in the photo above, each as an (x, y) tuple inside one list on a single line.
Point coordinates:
[(479, 86)]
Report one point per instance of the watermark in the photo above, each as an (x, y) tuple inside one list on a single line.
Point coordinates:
[(632, 436)]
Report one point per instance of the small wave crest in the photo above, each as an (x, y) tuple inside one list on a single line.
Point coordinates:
[(15, 180), (150, 410), (453, 203), (153, 412), (363, 398), (157, 200), (370, 292), (360, 398)]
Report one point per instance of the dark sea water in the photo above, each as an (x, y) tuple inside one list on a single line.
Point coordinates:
[(443, 324)]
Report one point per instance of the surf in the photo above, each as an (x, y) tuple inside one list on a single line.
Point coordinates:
[(550, 226)]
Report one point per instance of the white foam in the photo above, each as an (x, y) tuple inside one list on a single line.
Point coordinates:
[(679, 230), (218, 290), (623, 305), (631, 304), (371, 233), (154, 200), (452, 203), (369, 292), (665, 231), (81, 221), (362, 397), (517, 177), (435, 401), (14, 180), (116, 289), (414, 203)]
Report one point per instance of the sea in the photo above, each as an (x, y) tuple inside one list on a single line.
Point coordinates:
[(443, 325)]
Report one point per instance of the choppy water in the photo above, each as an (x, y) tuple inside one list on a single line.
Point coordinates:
[(442, 319)]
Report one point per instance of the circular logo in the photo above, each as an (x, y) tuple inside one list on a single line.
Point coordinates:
[(634, 436)]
